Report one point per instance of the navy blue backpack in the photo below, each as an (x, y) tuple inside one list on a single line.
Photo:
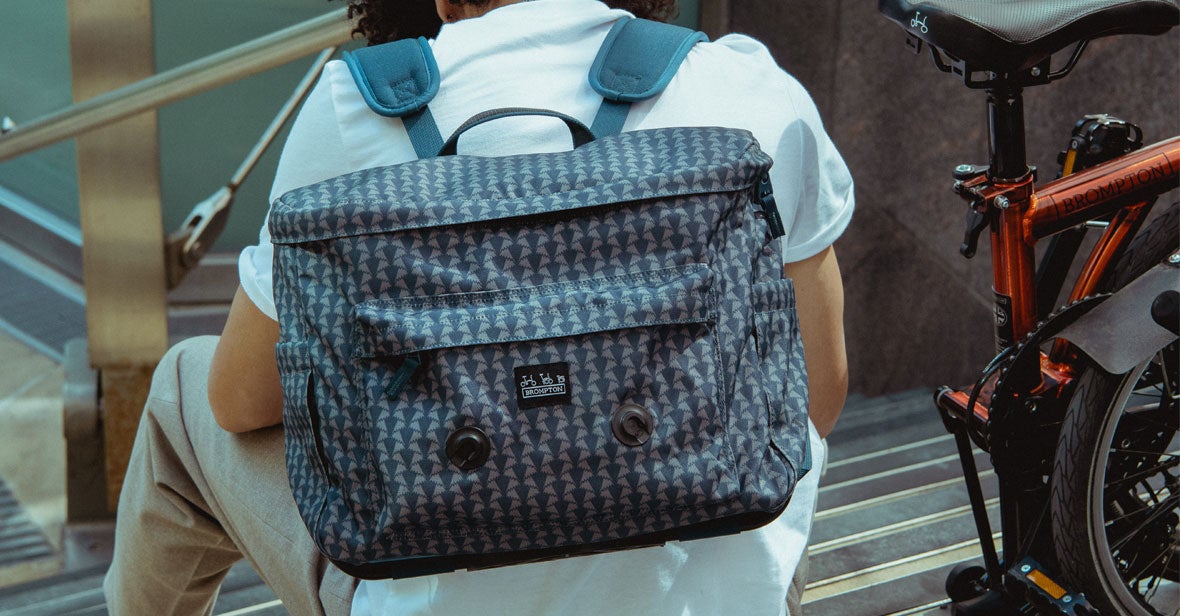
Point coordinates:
[(488, 361)]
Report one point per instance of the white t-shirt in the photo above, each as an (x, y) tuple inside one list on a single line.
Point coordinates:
[(538, 54)]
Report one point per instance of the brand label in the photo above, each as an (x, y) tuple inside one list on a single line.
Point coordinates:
[(1156, 171), (1005, 336), (543, 385), (919, 23)]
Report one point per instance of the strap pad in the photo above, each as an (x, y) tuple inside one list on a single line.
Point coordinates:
[(639, 58), (636, 62), (397, 78)]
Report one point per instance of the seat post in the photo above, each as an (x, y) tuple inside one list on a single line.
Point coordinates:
[(1005, 110), (1013, 258)]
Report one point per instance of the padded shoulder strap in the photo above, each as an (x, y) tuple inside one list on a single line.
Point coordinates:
[(398, 79), (637, 60)]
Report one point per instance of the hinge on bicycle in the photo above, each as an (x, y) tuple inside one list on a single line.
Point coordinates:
[(985, 198), (953, 404)]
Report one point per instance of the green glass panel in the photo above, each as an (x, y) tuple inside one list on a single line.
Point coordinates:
[(203, 139), (35, 81)]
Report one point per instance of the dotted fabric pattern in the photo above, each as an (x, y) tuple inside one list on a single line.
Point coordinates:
[(1021, 21), (1013, 34), (640, 260)]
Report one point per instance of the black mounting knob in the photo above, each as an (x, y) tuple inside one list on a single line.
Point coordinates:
[(632, 425), (468, 448), (1165, 311)]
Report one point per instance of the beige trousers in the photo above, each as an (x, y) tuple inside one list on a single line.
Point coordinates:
[(197, 499)]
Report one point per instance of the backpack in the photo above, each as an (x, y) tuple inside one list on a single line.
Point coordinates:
[(495, 360)]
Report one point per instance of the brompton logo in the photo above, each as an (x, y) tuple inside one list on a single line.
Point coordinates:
[(1155, 171), (542, 385)]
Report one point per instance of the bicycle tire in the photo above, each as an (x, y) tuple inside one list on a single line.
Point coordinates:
[(1113, 574)]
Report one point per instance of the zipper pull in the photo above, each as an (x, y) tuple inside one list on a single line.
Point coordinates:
[(402, 376), (764, 196)]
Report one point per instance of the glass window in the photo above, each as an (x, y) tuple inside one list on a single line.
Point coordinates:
[(202, 139)]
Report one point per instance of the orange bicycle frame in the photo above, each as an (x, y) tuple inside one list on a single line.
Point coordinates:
[(1120, 187)]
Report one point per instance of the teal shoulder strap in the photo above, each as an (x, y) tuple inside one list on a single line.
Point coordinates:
[(398, 79), (636, 62)]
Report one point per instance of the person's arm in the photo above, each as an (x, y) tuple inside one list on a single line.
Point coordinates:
[(244, 389), (819, 300)]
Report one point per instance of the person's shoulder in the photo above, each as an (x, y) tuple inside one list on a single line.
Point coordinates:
[(739, 70), (737, 51), (744, 62), (742, 45), (336, 76)]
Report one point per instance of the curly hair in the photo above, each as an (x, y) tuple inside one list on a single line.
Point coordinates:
[(381, 21)]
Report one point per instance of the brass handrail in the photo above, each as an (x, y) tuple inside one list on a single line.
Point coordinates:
[(235, 63)]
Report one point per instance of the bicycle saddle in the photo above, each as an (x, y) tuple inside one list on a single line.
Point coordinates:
[(1005, 36)]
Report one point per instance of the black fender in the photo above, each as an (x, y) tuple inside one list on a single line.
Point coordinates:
[(1120, 333)]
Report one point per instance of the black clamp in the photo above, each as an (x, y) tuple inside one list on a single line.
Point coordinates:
[(986, 199), (968, 179)]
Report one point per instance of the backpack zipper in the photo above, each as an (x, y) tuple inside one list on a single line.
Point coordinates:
[(764, 196)]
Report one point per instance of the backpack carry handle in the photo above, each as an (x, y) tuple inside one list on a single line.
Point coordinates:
[(578, 130)]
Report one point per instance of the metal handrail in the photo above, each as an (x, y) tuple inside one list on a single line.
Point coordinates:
[(185, 247), (207, 73)]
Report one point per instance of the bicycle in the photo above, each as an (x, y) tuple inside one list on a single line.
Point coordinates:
[(1078, 409)]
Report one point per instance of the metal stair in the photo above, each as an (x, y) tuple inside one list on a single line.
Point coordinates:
[(893, 515), (25, 553)]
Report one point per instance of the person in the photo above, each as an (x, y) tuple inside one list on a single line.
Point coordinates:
[(207, 483)]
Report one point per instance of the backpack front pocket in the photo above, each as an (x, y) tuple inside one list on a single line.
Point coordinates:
[(555, 411)]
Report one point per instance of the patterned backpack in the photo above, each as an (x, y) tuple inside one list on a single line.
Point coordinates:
[(488, 361)]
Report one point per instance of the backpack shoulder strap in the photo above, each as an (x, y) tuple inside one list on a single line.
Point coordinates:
[(636, 62), (398, 79)]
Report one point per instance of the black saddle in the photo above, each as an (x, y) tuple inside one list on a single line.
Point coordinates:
[(1008, 36)]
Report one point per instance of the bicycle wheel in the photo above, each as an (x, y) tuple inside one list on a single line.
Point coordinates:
[(1115, 479)]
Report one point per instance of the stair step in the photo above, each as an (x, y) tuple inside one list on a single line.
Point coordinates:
[(25, 553)]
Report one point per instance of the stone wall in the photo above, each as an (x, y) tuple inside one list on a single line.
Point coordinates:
[(917, 313)]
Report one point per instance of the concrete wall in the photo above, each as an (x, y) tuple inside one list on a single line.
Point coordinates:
[(917, 313)]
